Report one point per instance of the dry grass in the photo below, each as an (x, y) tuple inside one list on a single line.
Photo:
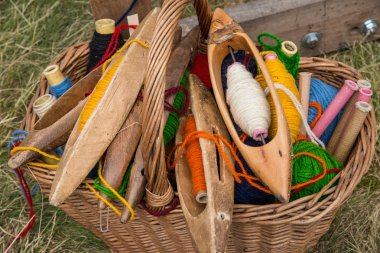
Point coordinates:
[(32, 33)]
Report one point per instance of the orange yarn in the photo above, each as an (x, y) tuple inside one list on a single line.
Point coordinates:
[(319, 108), (216, 138), (237, 175), (194, 158)]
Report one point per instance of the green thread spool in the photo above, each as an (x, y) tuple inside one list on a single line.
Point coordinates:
[(172, 122), (305, 168)]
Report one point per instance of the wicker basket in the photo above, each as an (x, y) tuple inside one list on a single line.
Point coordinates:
[(292, 227)]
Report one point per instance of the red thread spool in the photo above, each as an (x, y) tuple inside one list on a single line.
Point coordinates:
[(194, 159)]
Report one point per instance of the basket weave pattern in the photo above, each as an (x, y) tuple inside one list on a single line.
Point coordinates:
[(291, 227)]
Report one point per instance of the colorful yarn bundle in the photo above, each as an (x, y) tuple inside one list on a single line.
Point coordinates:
[(321, 95), (194, 159), (280, 75), (109, 193), (172, 123), (286, 51), (313, 168)]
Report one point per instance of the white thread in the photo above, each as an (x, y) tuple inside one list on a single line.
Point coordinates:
[(248, 104), (299, 108), (43, 104)]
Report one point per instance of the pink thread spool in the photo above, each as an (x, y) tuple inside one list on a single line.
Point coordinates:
[(364, 95), (336, 105)]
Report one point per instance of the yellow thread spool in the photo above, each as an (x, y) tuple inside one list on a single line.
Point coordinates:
[(105, 26), (53, 75)]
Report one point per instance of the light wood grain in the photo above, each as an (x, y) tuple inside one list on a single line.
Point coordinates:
[(271, 162), (208, 224), (81, 155)]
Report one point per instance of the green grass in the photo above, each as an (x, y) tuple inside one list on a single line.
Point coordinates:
[(33, 32)]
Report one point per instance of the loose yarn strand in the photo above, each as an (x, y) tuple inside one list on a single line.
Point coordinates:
[(299, 108)]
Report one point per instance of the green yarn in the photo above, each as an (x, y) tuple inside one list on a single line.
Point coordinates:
[(291, 62), (172, 123), (306, 168), (107, 192)]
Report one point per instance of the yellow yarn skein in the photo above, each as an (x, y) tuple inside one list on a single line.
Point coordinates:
[(102, 85), (279, 74)]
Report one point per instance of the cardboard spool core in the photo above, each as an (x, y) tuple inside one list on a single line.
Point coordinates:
[(105, 26), (53, 75), (289, 48), (364, 84)]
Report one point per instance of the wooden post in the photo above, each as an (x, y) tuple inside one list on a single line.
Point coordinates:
[(115, 8)]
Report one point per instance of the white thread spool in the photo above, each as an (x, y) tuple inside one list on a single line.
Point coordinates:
[(248, 104), (289, 48), (364, 84), (105, 26), (43, 104)]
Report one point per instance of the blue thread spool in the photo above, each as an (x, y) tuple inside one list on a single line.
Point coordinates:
[(58, 83), (323, 94)]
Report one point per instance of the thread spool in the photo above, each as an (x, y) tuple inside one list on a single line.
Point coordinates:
[(349, 136), (304, 88), (43, 104), (101, 41), (289, 48), (364, 84), (59, 84), (194, 159), (279, 74), (364, 95), (321, 94), (307, 168), (248, 104), (105, 26), (336, 105)]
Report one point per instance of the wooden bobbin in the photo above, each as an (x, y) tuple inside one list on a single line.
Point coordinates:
[(304, 88), (349, 136), (53, 75), (289, 48), (105, 26)]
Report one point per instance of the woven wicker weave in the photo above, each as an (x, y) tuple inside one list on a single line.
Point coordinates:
[(282, 228)]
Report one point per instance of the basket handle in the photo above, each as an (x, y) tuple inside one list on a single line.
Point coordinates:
[(158, 189)]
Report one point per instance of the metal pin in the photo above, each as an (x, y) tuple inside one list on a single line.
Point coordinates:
[(232, 53), (263, 139), (102, 229)]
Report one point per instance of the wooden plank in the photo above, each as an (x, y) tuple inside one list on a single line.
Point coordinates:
[(115, 8), (337, 20)]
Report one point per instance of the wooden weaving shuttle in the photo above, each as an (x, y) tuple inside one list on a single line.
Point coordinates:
[(122, 149), (85, 147), (48, 138), (271, 162), (208, 224), (179, 59)]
